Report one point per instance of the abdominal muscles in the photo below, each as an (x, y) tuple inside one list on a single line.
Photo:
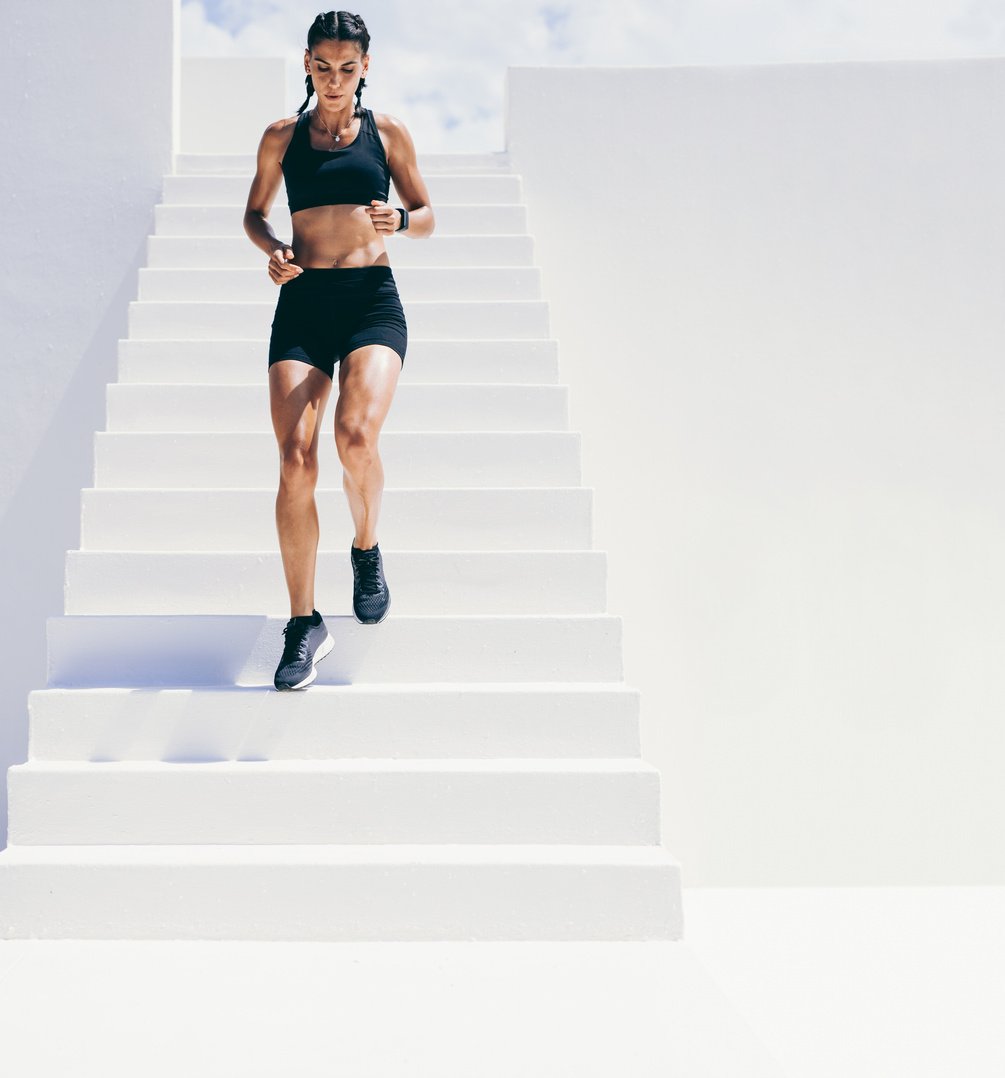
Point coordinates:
[(339, 236)]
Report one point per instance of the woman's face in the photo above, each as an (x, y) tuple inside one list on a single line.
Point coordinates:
[(335, 68)]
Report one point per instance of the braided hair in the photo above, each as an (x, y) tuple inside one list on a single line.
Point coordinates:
[(337, 26)]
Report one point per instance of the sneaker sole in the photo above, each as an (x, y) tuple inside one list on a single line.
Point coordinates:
[(375, 621), (323, 649)]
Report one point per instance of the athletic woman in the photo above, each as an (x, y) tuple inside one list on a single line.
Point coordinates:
[(338, 303)]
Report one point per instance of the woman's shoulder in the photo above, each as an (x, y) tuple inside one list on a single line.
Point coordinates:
[(285, 125), (279, 132), (392, 131), (386, 123)]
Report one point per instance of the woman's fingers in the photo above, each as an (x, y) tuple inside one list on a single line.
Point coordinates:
[(280, 268), (383, 216)]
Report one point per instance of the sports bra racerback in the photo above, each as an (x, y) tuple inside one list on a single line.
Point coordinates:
[(347, 175)]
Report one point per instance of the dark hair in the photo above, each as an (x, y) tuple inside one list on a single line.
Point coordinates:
[(337, 26)]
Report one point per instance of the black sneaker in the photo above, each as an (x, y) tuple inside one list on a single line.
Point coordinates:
[(370, 595), (307, 643)]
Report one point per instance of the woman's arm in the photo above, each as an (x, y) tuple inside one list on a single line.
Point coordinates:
[(265, 185), (408, 182)]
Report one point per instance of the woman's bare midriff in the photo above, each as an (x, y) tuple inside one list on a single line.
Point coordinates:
[(336, 237)]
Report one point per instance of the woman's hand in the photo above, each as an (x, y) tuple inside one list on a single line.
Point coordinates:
[(385, 218), (281, 268)]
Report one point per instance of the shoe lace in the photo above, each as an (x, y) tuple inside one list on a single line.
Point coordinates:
[(371, 580), (296, 641)]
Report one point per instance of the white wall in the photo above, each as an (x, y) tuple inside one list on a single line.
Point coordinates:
[(778, 295), (227, 102), (86, 130)]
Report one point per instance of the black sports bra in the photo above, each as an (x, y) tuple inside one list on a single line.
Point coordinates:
[(348, 175)]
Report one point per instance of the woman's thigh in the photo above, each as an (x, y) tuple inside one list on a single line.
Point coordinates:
[(367, 378), (298, 393)]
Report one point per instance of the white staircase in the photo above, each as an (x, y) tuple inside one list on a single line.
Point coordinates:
[(468, 769)]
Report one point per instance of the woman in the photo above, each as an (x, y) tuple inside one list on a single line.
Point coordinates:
[(338, 303)]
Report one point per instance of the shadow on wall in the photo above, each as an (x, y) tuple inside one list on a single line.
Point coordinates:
[(42, 519)]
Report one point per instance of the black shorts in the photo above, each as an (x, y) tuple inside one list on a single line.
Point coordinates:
[(324, 313)]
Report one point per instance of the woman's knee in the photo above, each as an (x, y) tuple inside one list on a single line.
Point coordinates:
[(298, 463), (356, 439)]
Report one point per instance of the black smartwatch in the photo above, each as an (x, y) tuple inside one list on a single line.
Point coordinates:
[(404, 219)]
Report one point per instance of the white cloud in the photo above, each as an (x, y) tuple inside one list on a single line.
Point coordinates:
[(441, 67)]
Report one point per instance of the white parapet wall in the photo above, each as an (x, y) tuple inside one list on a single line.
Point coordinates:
[(88, 129), (228, 101), (777, 291)]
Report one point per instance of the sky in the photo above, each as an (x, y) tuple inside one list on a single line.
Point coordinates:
[(440, 67)]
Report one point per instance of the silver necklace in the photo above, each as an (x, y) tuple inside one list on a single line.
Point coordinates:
[(338, 137)]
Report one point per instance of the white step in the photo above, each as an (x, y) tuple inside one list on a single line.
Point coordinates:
[(415, 283), (472, 188), (344, 721), (483, 220), (189, 320), (351, 892), (421, 582), (547, 518), (210, 649), (523, 362), (225, 252), (412, 459), (557, 802), (190, 164), (229, 408)]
